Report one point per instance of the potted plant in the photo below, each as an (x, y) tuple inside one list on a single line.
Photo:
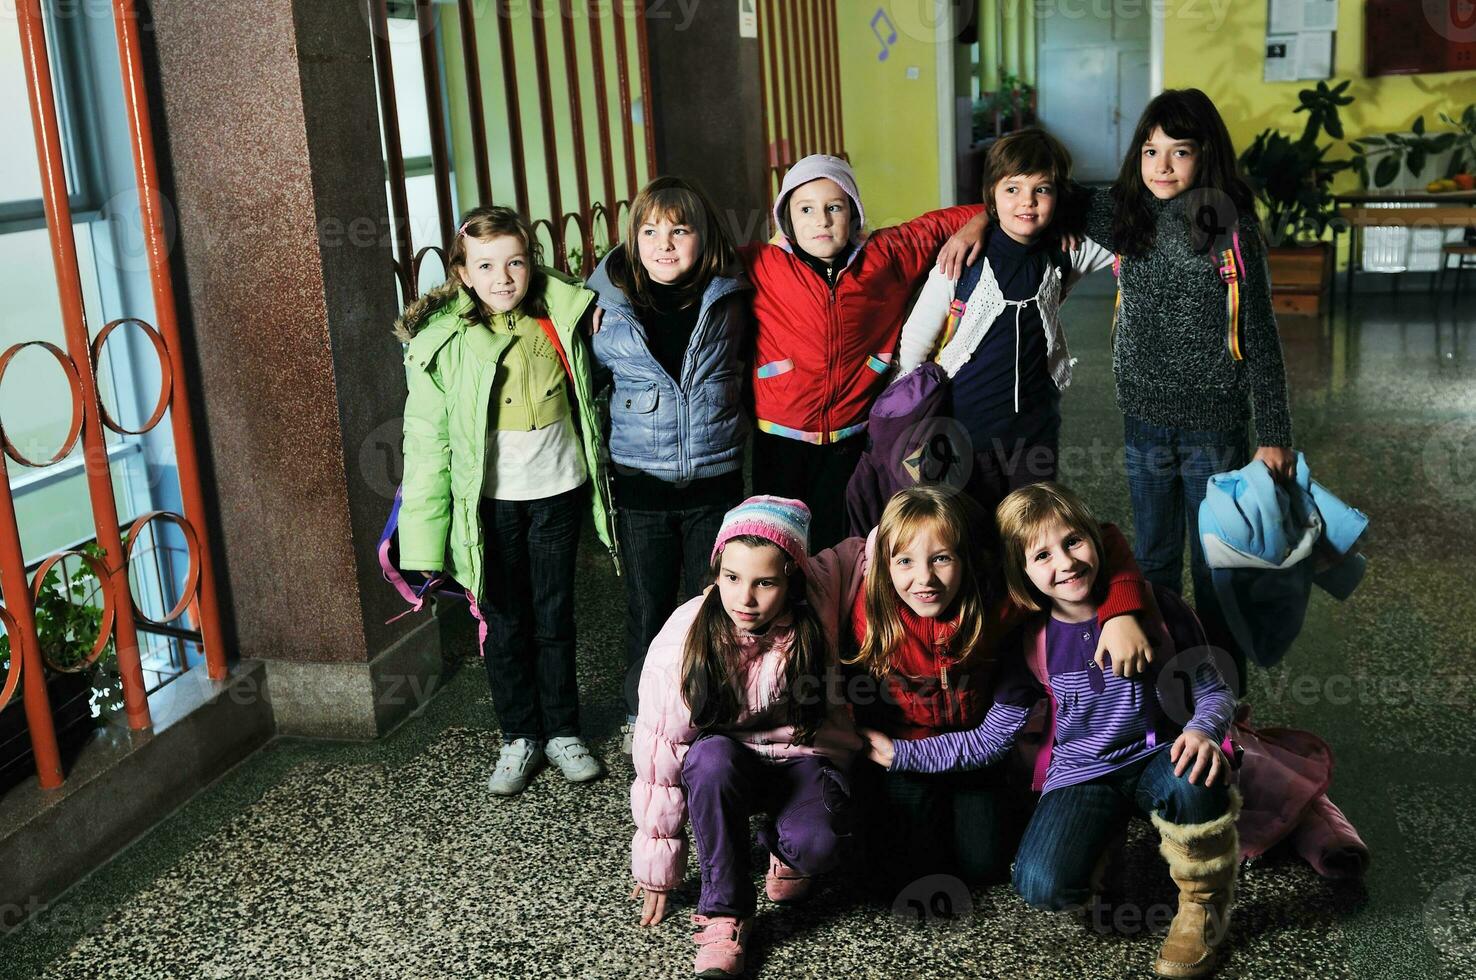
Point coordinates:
[(67, 625), (1006, 109), (1292, 181), (1387, 152)]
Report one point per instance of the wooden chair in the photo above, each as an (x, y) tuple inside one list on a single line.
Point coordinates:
[(1465, 256)]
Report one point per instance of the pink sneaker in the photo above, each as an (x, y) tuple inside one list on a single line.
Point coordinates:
[(720, 943), (784, 884)]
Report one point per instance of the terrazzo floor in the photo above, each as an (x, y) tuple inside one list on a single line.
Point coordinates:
[(390, 859)]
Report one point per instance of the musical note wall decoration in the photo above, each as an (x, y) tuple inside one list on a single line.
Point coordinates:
[(891, 33)]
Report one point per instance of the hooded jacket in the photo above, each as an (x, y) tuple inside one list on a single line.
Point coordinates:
[(664, 730), (824, 348), (683, 428), (451, 371)]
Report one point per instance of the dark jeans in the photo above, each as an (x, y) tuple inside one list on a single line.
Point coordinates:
[(959, 823), (529, 606), (818, 475), (1168, 470), (725, 782), (666, 563), (1073, 825)]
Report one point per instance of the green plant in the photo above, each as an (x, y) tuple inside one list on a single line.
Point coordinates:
[(576, 255), (1292, 179), (1007, 107), (1387, 152), (67, 624)]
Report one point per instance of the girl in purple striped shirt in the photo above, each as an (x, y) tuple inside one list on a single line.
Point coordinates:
[(1146, 745)]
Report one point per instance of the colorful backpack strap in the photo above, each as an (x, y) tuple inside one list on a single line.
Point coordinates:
[(553, 337), (1035, 658), (1232, 272), (1116, 300)]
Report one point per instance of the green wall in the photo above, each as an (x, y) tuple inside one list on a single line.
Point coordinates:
[(494, 106)]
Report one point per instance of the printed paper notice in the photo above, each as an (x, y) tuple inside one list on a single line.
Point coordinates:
[(1314, 54), (1281, 58), (1319, 15), (748, 18)]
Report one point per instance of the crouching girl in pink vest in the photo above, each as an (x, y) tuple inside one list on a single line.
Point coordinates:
[(741, 712)]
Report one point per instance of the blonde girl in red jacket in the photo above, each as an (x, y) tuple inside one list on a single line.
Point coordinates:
[(929, 623), (828, 307)]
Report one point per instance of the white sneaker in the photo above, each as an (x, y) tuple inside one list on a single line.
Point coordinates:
[(515, 766), (627, 738), (569, 753)]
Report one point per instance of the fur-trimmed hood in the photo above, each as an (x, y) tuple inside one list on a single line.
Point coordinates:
[(449, 293)]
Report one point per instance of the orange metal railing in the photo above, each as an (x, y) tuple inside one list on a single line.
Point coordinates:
[(121, 617)]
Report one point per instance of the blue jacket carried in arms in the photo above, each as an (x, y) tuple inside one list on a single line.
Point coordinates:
[(1266, 545)]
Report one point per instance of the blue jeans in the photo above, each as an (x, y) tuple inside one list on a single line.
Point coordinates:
[(1073, 825), (1168, 470), (666, 562)]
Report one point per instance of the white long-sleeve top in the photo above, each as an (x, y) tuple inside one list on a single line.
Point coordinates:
[(930, 314)]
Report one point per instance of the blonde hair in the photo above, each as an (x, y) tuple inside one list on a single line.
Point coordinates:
[(960, 522), (1022, 516)]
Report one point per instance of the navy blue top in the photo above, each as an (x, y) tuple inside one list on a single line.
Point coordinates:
[(984, 388)]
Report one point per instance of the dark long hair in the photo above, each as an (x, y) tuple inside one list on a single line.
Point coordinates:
[(712, 675), (1183, 114)]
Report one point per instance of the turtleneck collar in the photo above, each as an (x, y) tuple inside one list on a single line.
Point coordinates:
[(1000, 243), (828, 269)]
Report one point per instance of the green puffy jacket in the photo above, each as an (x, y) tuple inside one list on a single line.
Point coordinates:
[(451, 368)]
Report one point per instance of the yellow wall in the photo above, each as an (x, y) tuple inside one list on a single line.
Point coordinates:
[(891, 121), (1218, 46)]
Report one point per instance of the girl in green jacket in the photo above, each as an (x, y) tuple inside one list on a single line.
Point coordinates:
[(502, 456)]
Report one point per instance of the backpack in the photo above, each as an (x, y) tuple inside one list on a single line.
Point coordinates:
[(1232, 273)]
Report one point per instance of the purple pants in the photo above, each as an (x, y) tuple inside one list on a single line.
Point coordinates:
[(726, 782)]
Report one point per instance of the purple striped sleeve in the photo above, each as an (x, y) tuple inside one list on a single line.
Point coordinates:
[(1214, 704), (973, 749)]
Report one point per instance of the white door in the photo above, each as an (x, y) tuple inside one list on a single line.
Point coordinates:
[(1092, 80)]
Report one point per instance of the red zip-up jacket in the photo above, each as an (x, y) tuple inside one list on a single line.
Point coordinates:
[(927, 691), (823, 349)]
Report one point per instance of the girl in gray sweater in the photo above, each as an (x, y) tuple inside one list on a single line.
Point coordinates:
[(1196, 353)]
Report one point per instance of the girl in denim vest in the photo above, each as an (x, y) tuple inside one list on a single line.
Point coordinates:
[(673, 334)]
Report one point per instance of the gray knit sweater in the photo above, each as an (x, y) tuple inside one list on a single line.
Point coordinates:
[(1171, 356)]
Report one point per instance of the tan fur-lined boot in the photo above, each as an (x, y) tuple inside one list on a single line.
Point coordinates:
[(1203, 859)]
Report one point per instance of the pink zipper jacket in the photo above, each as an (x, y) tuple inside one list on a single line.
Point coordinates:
[(664, 731)]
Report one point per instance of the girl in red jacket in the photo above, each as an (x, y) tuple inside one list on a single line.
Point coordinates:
[(828, 309), (929, 621)]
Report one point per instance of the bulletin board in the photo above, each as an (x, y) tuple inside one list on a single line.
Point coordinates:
[(1408, 37), (1299, 39)]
